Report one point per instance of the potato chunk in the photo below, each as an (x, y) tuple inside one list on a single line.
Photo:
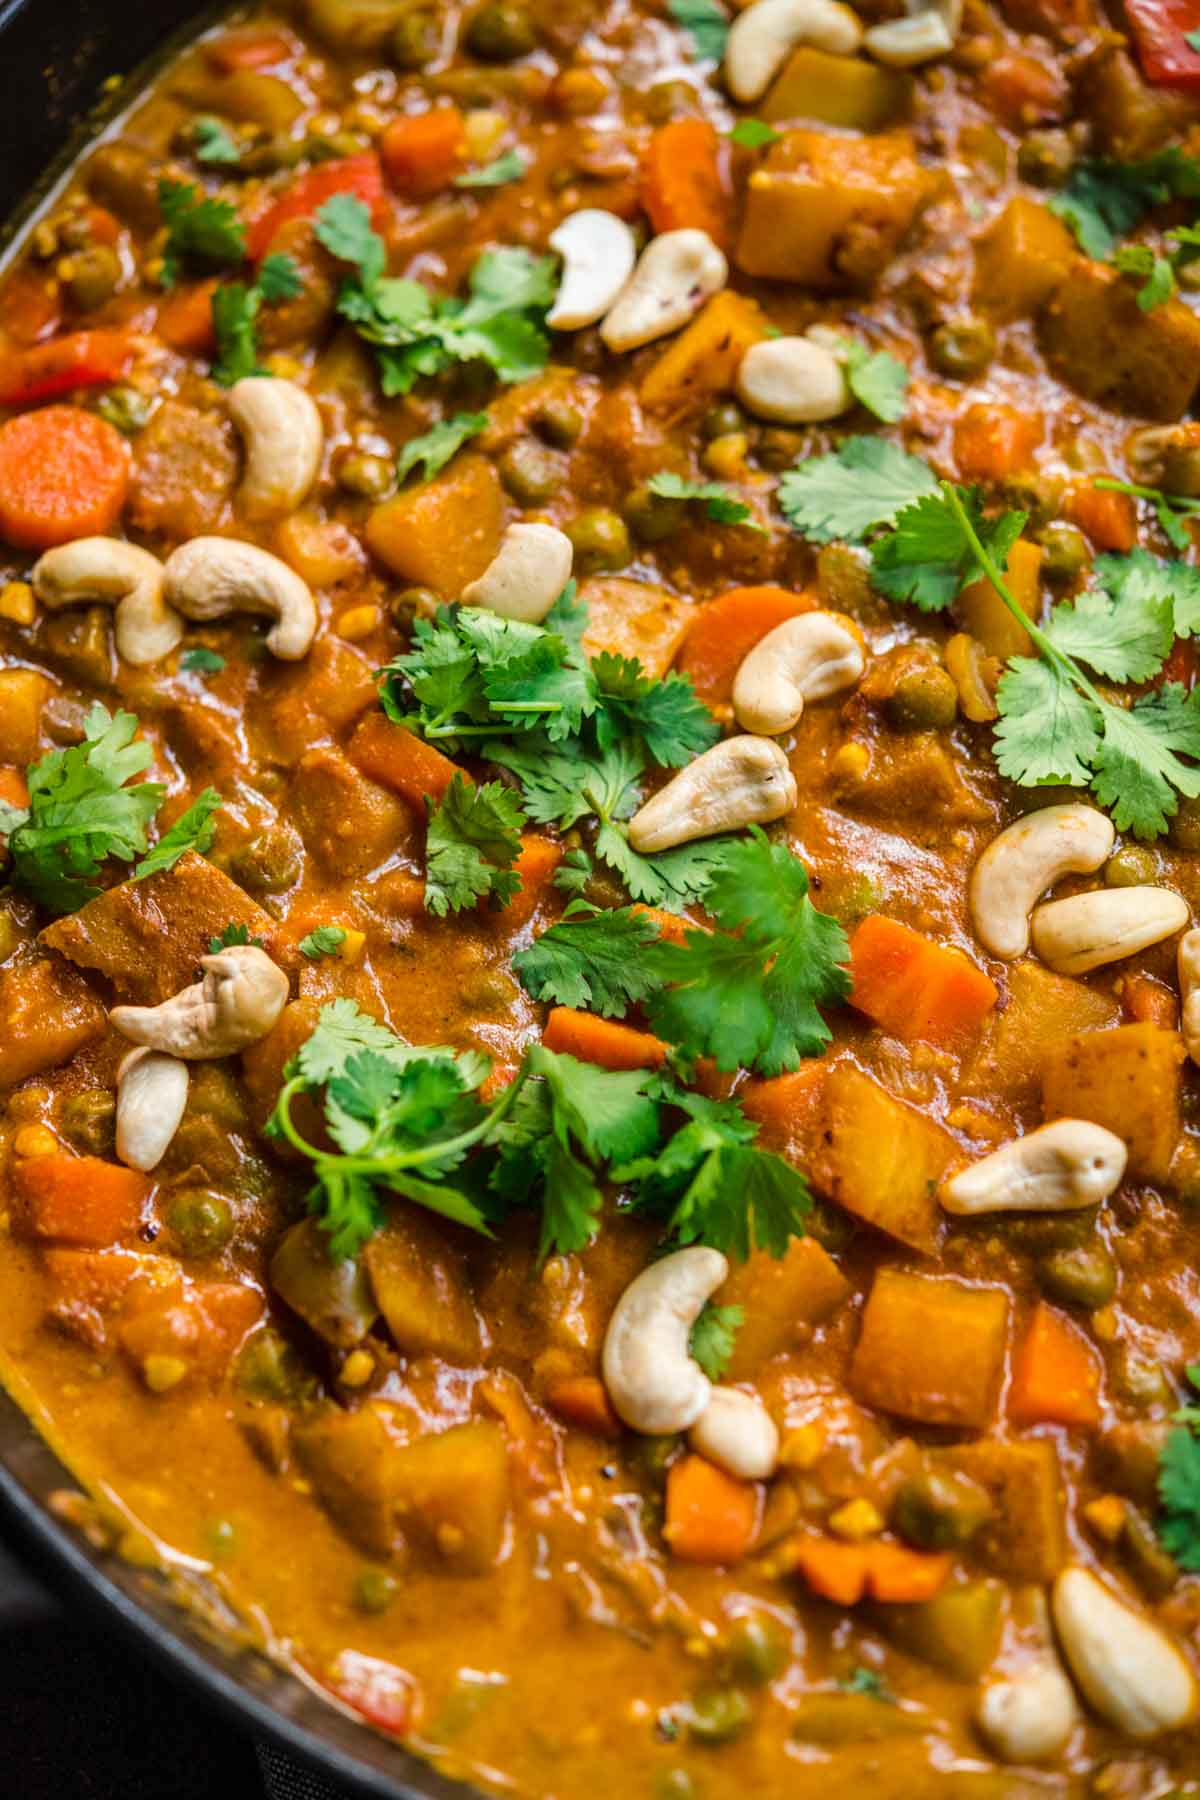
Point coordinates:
[(880, 1158), (454, 1489), (780, 1295), (47, 1013), (931, 1349), (333, 1298), (444, 533), (1020, 259), (349, 824), (1097, 339), (847, 91), (1127, 1080), (1025, 1536), (421, 1287), (350, 1458), (634, 618)]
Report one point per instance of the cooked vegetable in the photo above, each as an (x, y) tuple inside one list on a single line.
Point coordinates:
[(64, 474)]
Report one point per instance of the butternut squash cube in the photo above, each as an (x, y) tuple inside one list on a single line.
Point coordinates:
[(444, 533), (931, 1349), (350, 1459), (1127, 1080), (703, 360), (1096, 339), (421, 1288), (881, 1159), (454, 1487), (1043, 1009), (634, 618), (23, 693), (348, 824), (1025, 1537), (847, 91), (1020, 259), (780, 1295), (47, 1013)]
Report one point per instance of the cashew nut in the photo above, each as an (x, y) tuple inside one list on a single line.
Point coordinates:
[(1027, 858), (527, 574), (213, 576), (928, 31), (1089, 930), (119, 575), (1028, 1717), (1128, 1671), (761, 39), (236, 1003), (283, 435), (808, 657), (598, 252), (651, 1378), (736, 1432), (152, 1091), (1189, 989), (742, 781), (675, 274), (1066, 1164), (792, 380)]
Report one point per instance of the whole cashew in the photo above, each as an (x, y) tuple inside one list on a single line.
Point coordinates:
[(1089, 930), (1027, 858), (1027, 1717), (1060, 1166), (806, 658), (527, 574), (792, 381), (736, 1432), (761, 39), (1128, 1670), (236, 1003), (1189, 989), (213, 576), (283, 435), (928, 31), (119, 575), (742, 781), (152, 1091), (648, 1369), (599, 252), (675, 274)]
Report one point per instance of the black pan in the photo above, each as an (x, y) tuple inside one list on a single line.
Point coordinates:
[(55, 57)]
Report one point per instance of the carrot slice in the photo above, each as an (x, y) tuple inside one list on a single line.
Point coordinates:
[(79, 1199), (711, 1516), (1109, 519), (905, 1576), (64, 474), (848, 1573), (402, 761), (185, 320), (601, 1041), (725, 630), (81, 359), (836, 1571), (584, 1401), (685, 180), (14, 789), (992, 441), (1056, 1375), (913, 988), (422, 152), (536, 864)]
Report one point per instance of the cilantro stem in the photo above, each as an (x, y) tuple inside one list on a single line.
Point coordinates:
[(1183, 503)]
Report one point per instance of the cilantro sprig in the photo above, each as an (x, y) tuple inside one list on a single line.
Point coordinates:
[(1179, 1482), (705, 23), (722, 507), (473, 840), (435, 447), (200, 230), (235, 310), (592, 958), (323, 940), (714, 1337), (877, 379), (1105, 199), (863, 484)]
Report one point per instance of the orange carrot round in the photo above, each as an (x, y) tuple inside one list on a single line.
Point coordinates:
[(422, 152), (725, 630), (685, 180), (1109, 519), (993, 441), (64, 474)]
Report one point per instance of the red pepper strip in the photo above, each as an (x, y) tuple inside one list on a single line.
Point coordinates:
[(358, 175), (1160, 30), (83, 359)]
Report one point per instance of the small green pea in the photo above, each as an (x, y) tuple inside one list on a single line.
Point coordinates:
[(718, 1715), (125, 409), (1184, 829), (601, 540), (923, 699), (413, 603), (220, 1535), (500, 32), (963, 347), (269, 863), (1084, 1275), (674, 1784), (359, 472), (1065, 552), (268, 1368), (1132, 866), (939, 1509), (558, 420), (201, 1222), (654, 1455), (722, 419), (88, 1120), (757, 1648), (1046, 158), (93, 277), (374, 1590), (778, 448), (530, 472), (652, 517), (1140, 1380), (415, 39)]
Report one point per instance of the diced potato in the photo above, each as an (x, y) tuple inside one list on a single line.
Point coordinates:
[(830, 212), (958, 1631), (1021, 258), (444, 533), (985, 615), (881, 1159), (703, 360), (23, 693), (931, 1349), (1025, 1537), (838, 90), (422, 1289), (1127, 1080), (634, 618), (333, 1298), (349, 824), (779, 1296), (456, 1487), (47, 1013), (350, 1458), (306, 700), (147, 937), (1042, 1010), (1096, 339), (1129, 117)]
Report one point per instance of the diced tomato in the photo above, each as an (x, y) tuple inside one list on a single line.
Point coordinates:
[(1160, 32), (361, 176), (84, 359), (377, 1691)]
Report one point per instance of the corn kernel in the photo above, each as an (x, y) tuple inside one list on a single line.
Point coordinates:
[(483, 130), (162, 1373), (852, 762), (352, 945), (857, 1520), (358, 622), (357, 1369), (17, 603), (450, 1539), (286, 368), (35, 1140), (1105, 1324), (802, 1448), (726, 456), (1106, 1516)]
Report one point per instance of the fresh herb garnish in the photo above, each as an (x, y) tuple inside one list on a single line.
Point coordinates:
[(231, 937), (473, 840), (878, 380), (866, 1681), (1170, 509), (714, 1336), (865, 483), (754, 134), (1155, 273), (593, 958), (434, 448), (509, 167), (705, 23), (235, 310), (1179, 1483), (192, 830), (200, 660), (722, 507), (326, 940), (1104, 200), (200, 230), (213, 143), (928, 557)]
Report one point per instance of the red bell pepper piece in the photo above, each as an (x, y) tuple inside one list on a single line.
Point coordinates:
[(82, 359), (358, 175), (1160, 31)]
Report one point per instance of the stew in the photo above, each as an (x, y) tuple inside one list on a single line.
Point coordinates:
[(599, 790)]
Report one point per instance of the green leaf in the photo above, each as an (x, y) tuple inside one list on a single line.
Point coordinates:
[(597, 960), (928, 557), (705, 23), (279, 278), (714, 1337), (1179, 1496), (754, 134), (1048, 733), (474, 838), (230, 936), (235, 308), (1192, 39), (1104, 199), (848, 495), (434, 448), (664, 713), (1156, 273), (1138, 767), (1124, 626), (213, 143), (878, 380), (199, 230), (722, 507), (192, 830), (326, 940), (343, 226), (201, 661), (509, 167)]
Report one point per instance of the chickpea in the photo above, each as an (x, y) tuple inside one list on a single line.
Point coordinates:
[(923, 699), (530, 472), (1131, 866), (415, 39), (1065, 553), (962, 347), (500, 32), (652, 517), (359, 472), (91, 277), (601, 540), (1045, 158)]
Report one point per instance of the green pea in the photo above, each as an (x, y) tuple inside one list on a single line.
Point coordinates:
[(939, 1509), (1184, 829), (667, 99), (501, 32), (923, 699), (374, 1590), (530, 471), (220, 1536), (654, 1455), (601, 540), (1140, 1380), (652, 517), (413, 603), (758, 1648), (1065, 552), (777, 447), (359, 472), (88, 1120), (1046, 158), (674, 1784), (415, 39), (268, 1368), (558, 420), (960, 348), (1132, 866), (201, 1221), (1084, 1275), (718, 1715), (125, 409), (722, 420), (269, 863), (93, 277)]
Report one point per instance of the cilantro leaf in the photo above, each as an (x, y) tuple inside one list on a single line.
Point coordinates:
[(1179, 1495), (1171, 509), (719, 504), (753, 134), (213, 143), (928, 557), (231, 935), (705, 23), (714, 1336), (474, 838), (434, 448), (1105, 199), (878, 380), (192, 830), (326, 940), (673, 723), (509, 167), (591, 959), (1137, 767), (201, 661), (279, 278), (1047, 735), (1124, 626), (200, 230), (235, 310), (1155, 272), (863, 485)]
